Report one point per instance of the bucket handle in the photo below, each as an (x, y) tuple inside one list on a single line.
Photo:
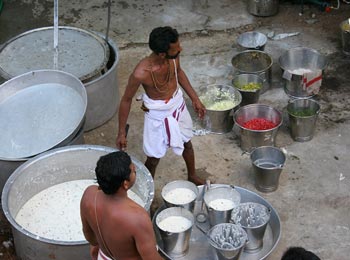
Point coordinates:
[(262, 76)]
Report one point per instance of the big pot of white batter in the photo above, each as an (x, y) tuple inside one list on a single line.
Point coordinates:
[(58, 178)]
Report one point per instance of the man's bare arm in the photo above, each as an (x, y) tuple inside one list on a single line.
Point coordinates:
[(124, 110), (145, 239)]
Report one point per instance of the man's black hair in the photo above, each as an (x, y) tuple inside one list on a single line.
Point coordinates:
[(299, 253), (161, 37), (111, 170)]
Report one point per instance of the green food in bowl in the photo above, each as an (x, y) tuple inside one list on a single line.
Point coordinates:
[(302, 112), (252, 86), (346, 27)]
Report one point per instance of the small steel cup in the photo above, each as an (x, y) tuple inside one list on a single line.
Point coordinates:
[(187, 203), (228, 240), (225, 193), (176, 244), (253, 218)]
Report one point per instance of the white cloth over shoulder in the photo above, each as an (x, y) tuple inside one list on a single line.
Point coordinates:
[(168, 124), (102, 256)]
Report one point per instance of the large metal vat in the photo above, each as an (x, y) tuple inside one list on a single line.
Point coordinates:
[(8, 166), (103, 93), (82, 53), (35, 116), (51, 168)]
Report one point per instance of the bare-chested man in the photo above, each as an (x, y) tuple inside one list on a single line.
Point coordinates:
[(168, 123), (115, 226)]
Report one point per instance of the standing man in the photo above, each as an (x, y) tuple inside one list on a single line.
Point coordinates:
[(168, 123), (115, 226)]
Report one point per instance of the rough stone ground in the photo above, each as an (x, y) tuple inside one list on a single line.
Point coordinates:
[(313, 198)]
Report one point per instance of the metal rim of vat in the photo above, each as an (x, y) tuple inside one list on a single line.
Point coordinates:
[(35, 78), (86, 77), (16, 174)]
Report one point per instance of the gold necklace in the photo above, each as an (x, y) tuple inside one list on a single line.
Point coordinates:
[(161, 84)]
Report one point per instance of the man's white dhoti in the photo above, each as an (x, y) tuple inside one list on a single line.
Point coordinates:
[(102, 256), (167, 125)]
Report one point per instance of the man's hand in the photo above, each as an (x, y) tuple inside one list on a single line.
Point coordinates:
[(199, 108), (121, 142)]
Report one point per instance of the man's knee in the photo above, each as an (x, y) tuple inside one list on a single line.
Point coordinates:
[(152, 161), (188, 145)]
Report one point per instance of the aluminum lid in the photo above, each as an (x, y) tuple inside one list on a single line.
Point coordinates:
[(38, 111), (81, 53)]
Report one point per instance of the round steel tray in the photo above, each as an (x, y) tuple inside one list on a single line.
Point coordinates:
[(199, 246)]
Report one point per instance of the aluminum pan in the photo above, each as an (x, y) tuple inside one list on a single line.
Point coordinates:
[(38, 111), (199, 245), (80, 52), (56, 166)]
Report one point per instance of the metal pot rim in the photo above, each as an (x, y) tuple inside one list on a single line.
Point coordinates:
[(19, 171)]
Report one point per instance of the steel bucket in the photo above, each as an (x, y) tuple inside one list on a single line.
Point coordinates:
[(263, 7), (218, 215), (228, 240), (249, 139), (176, 243), (254, 62), (267, 162), (180, 193), (252, 40), (219, 121), (345, 36), (248, 97), (50, 168), (253, 218), (299, 59), (303, 114)]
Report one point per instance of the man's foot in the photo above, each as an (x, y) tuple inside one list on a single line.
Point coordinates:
[(196, 180)]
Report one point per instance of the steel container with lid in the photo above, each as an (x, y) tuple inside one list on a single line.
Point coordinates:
[(85, 54)]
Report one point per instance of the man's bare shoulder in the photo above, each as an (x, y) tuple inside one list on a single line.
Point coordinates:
[(89, 192), (142, 69)]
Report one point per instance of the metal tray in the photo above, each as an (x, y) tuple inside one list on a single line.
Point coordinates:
[(200, 249)]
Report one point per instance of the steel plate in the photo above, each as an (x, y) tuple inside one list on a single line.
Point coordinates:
[(38, 111), (200, 249)]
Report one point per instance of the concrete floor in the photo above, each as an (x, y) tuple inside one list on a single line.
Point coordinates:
[(313, 198)]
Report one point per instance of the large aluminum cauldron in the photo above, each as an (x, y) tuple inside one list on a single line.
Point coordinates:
[(51, 168), (8, 166), (82, 53), (35, 119), (103, 93)]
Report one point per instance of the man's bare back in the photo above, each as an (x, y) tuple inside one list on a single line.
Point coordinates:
[(113, 223), (120, 220)]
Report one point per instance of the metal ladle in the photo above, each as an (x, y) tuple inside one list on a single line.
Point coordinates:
[(201, 217)]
